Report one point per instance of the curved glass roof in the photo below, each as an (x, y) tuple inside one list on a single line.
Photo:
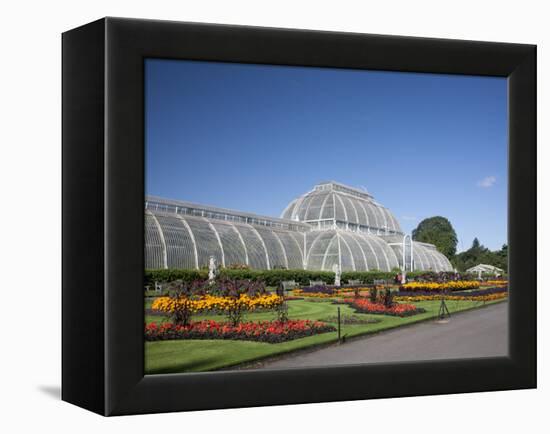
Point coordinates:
[(183, 241), (425, 257), (332, 224), (332, 201), (176, 241), (352, 251)]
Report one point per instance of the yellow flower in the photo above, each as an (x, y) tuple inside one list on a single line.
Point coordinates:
[(446, 286), (211, 302)]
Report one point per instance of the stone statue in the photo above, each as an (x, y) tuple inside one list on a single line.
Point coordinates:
[(337, 274), (212, 268)]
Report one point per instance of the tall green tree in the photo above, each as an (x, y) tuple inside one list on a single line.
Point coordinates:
[(479, 254), (438, 231)]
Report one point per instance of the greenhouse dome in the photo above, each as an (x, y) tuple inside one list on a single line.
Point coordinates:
[(348, 207), (333, 224)]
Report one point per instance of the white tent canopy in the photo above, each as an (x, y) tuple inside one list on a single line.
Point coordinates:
[(484, 268)]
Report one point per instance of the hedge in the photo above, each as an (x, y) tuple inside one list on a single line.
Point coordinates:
[(270, 277), (367, 276), (169, 275), (275, 277)]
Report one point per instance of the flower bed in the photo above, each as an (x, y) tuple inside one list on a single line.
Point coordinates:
[(302, 294), (363, 291), (216, 303), (458, 285), (329, 292), (489, 294), (364, 305), (264, 331), (317, 289), (500, 283)]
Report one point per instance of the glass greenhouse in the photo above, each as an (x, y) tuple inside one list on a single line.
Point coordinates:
[(333, 224)]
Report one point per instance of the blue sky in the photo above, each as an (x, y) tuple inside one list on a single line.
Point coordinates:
[(254, 137)]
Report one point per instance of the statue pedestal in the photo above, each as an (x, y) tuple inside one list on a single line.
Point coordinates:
[(212, 269), (337, 275)]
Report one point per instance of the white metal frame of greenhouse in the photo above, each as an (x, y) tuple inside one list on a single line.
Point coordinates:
[(332, 224)]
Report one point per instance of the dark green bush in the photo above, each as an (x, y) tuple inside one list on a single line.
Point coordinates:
[(387, 298), (416, 274), (270, 277), (373, 295), (170, 275), (367, 277), (275, 277)]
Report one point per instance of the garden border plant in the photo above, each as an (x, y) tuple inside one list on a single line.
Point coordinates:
[(272, 278), (231, 297), (263, 331), (381, 303)]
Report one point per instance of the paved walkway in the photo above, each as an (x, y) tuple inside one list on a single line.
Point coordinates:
[(477, 333)]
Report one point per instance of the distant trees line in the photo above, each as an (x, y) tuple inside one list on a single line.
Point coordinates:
[(439, 231)]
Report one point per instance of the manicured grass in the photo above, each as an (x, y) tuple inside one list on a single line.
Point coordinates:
[(207, 355)]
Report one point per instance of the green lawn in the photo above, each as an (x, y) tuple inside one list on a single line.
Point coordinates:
[(207, 355)]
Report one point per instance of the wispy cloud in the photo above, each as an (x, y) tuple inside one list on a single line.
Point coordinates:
[(487, 182), (409, 218)]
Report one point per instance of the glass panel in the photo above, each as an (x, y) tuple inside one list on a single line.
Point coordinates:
[(180, 252), (153, 244)]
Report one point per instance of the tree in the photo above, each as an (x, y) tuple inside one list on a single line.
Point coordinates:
[(500, 258), (438, 231), (479, 254)]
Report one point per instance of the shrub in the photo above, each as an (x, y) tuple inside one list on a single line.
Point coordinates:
[(180, 301), (234, 290), (282, 311), (238, 267), (269, 277), (275, 277), (169, 275), (373, 295), (387, 298), (368, 277), (318, 289), (226, 287)]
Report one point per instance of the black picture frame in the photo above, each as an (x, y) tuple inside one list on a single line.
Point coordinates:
[(103, 219)]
